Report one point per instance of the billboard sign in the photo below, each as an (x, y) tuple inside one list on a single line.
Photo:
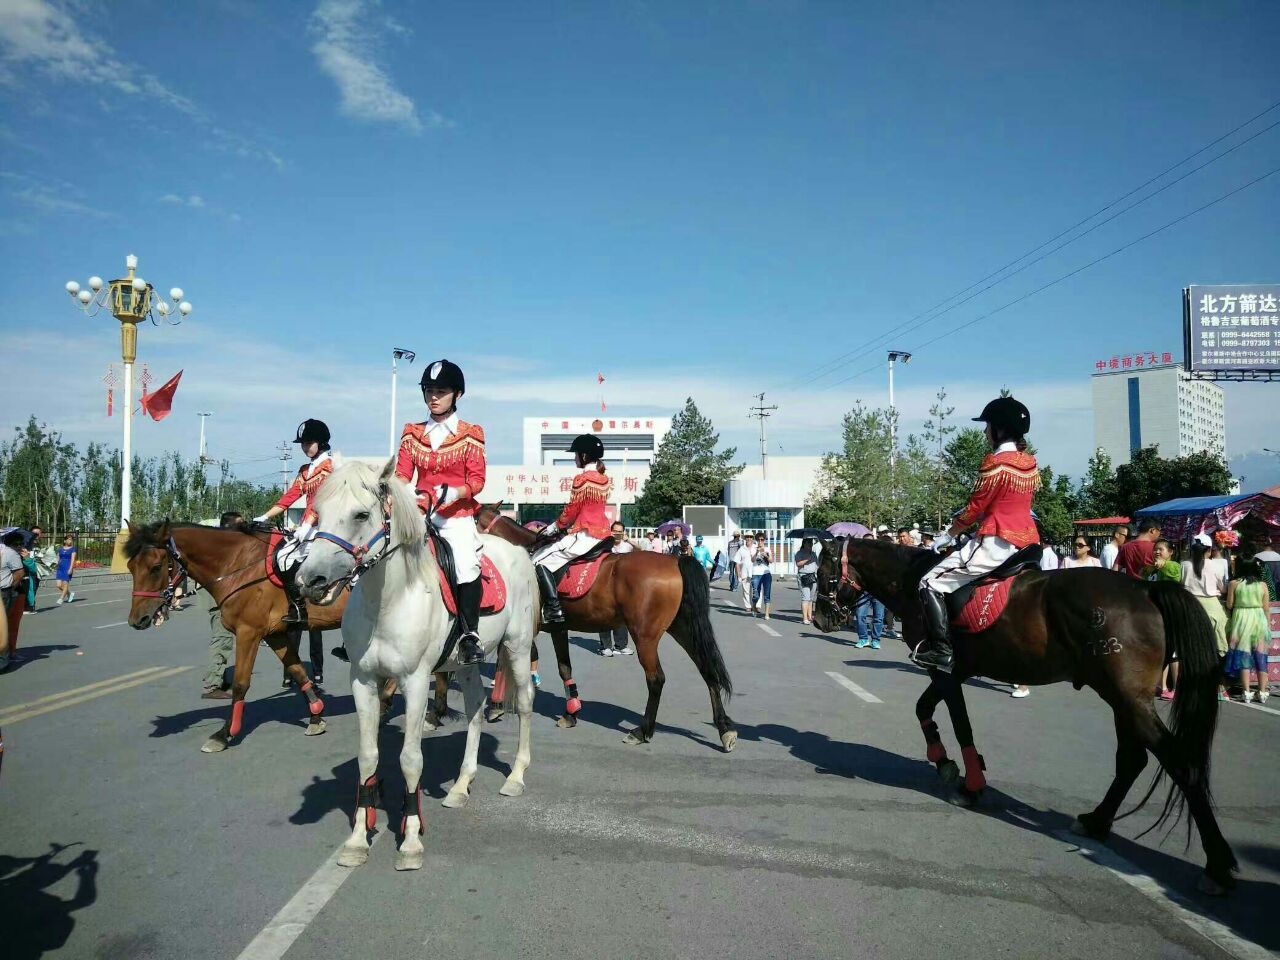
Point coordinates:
[(1232, 329)]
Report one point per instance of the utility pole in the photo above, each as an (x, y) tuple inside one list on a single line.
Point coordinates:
[(285, 457), (762, 413)]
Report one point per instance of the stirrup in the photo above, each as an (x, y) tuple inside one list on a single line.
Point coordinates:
[(942, 660), (469, 649)]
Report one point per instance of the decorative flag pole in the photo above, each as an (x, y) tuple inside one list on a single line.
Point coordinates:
[(600, 382)]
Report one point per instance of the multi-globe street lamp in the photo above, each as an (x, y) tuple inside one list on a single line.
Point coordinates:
[(130, 299)]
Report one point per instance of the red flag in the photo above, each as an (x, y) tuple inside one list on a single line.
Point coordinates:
[(599, 378), (158, 404)]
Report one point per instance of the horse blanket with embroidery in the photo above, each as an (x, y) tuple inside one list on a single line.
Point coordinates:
[(580, 577), (984, 606), (493, 589)]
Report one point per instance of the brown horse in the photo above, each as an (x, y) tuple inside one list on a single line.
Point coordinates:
[(231, 565), (651, 594), (1088, 626)]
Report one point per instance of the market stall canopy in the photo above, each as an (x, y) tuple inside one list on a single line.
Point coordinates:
[(1184, 517)]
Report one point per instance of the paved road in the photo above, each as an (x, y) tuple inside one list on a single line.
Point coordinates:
[(825, 834)]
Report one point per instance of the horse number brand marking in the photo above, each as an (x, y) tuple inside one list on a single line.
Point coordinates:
[(1099, 619), (1104, 648)]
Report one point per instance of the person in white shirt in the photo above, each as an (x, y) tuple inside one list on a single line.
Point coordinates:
[(1049, 558), (761, 576), (11, 574), (613, 643), (654, 544), (1081, 557), (1118, 536), (1204, 579), (741, 561)]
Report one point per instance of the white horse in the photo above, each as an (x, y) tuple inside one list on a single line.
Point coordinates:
[(395, 625)]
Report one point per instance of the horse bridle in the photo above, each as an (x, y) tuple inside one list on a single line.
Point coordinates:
[(847, 578), (360, 552), (173, 558)]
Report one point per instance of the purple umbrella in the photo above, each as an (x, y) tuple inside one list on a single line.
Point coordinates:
[(848, 528), (680, 525)]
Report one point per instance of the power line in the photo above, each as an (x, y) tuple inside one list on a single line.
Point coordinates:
[(830, 366), (1080, 269), (762, 413)]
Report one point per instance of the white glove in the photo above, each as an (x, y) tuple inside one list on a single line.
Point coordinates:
[(942, 541), (261, 518), (447, 495), (550, 530)]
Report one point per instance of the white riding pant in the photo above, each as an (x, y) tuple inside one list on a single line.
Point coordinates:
[(463, 536), (555, 555), (973, 560), (295, 550)]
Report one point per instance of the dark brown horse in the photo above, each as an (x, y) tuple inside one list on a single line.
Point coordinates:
[(231, 565), (651, 594), (1087, 626)]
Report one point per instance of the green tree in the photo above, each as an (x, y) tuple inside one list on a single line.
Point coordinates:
[(854, 483), (1098, 495), (1148, 479), (686, 469), (961, 461), (1053, 504), (938, 430)]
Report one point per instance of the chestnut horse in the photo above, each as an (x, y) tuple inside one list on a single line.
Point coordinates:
[(1089, 626), (231, 565), (651, 594)]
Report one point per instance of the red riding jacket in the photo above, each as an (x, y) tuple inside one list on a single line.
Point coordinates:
[(1001, 499), (307, 486), (585, 511), (459, 464)]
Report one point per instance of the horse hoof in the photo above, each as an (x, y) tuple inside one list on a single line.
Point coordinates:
[(948, 772), (1084, 826), (314, 728), (353, 856), (215, 744), (408, 861), (1211, 887), (455, 800), (494, 714), (966, 798), (565, 722), (512, 788), (729, 740), (633, 738)]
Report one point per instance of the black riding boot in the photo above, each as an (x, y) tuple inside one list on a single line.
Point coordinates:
[(469, 595), (551, 611), (935, 650)]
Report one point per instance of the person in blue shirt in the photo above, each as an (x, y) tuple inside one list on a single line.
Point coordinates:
[(702, 554)]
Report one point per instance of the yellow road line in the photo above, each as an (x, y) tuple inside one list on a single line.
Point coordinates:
[(92, 695), (76, 690)]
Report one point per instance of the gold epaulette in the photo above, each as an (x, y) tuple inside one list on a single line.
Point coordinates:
[(1018, 471)]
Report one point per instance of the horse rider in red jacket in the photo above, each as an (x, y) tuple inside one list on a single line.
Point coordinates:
[(1000, 507), (443, 459), (583, 522)]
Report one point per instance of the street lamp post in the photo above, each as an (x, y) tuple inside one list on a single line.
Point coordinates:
[(894, 356), (130, 299), (397, 354)]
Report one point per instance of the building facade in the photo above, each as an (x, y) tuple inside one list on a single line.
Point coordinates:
[(1156, 405), (627, 440)]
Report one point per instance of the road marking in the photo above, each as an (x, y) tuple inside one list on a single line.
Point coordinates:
[(768, 629), (92, 695), (1256, 706), (77, 690), (105, 625), (274, 940), (95, 603), (1180, 906), (853, 688)]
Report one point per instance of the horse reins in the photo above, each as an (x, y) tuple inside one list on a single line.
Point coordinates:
[(166, 596), (364, 563)]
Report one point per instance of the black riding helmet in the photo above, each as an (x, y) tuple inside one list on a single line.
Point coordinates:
[(446, 374), (310, 431), (589, 445), (1007, 416)]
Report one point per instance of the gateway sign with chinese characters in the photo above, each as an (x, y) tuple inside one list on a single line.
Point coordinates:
[(552, 484), (1232, 329)]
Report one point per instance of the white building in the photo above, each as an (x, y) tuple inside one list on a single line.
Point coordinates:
[(1156, 405), (753, 502), (627, 439)]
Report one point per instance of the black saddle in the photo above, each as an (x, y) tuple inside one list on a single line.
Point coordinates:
[(604, 546), (1025, 559)]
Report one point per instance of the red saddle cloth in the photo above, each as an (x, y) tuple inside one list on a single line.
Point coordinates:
[(580, 577), (273, 547), (493, 589), (984, 607)]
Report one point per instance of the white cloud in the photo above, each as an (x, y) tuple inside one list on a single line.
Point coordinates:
[(42, 35), (194, 201), (349, 36)]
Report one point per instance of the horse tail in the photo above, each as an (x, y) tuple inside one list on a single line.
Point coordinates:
[(693, 620), (1189, 633)]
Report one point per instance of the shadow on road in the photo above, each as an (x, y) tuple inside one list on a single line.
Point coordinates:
[(286, 706), (37, 921), (30, 655)]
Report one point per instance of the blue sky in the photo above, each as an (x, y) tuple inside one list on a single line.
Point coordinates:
[(714, 199)]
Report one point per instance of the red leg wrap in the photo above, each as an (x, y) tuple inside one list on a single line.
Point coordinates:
[(368, 796), (237, 718), (314, 703), (572, 704), (499, 691), (974, 779), (934, 749)]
